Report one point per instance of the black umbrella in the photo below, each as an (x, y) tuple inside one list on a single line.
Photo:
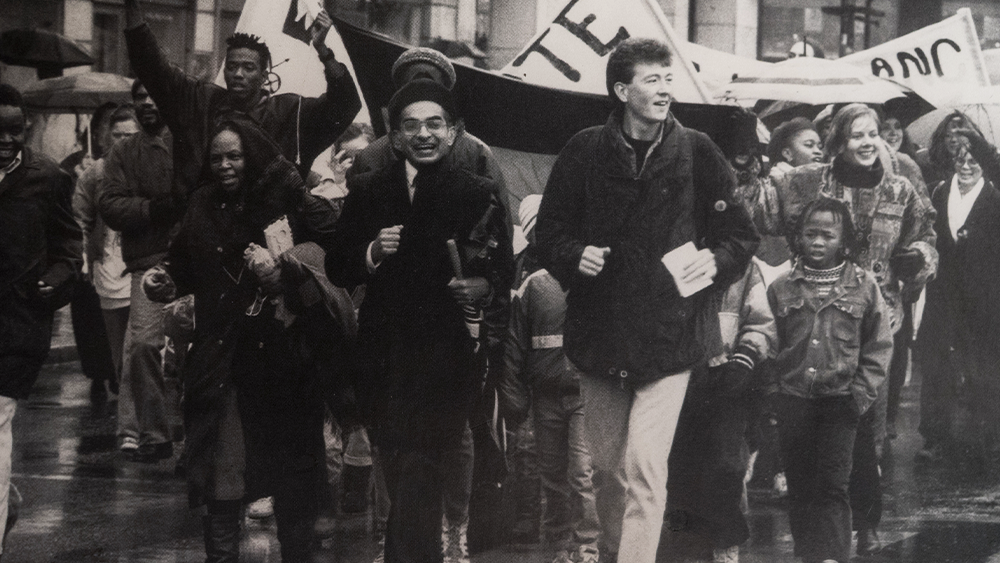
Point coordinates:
[(47, 51)]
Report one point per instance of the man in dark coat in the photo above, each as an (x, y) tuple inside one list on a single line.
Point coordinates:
[(302, 127), (621, 198), (41, 252), (138, 200), (421, 333)]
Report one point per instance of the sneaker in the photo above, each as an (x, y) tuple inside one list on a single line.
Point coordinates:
[(726, 555), (455, 550), (780, 485), (128, 444), (587, 554), (563, 557), (261, 508)]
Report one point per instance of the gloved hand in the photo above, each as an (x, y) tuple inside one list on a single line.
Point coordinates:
[(907, 264), (738, 372)]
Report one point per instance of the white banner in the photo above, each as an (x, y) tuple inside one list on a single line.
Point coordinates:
[(939, 62), (572, 52), (716, 68), (283, 25)]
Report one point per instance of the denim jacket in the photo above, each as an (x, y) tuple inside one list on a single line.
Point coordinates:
[(832, 346)]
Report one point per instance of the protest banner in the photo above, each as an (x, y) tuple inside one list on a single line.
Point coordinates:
[(939, 62), (284, 26), (572, 52)]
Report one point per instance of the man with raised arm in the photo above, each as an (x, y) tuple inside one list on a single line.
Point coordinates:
[(302, 127)]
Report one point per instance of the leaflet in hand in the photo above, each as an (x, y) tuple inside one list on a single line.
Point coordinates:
[(676, 260)]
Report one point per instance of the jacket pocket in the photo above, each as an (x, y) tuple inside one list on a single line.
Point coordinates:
[(846, 322)]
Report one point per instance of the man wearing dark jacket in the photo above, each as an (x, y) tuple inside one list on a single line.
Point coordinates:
[(420, 327), (302, 127), (620, 199), (40, 254), (138, 199)]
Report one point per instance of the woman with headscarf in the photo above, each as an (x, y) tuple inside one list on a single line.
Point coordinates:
[(270, 332), (959, 339)]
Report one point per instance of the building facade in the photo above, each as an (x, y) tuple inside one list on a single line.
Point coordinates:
[(491, 32)]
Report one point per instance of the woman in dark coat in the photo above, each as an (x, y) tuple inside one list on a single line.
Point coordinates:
[(959, 340), (267, 333)]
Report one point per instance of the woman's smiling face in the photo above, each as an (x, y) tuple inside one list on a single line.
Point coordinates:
[(861, 147)]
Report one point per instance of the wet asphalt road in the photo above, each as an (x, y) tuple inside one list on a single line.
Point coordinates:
[(84, 503)]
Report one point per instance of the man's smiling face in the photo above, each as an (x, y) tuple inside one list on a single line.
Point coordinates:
[(12, 127)]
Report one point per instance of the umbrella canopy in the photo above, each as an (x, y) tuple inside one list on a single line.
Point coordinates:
[(39, 48), (982, 105), (77, 92), (811, 81)]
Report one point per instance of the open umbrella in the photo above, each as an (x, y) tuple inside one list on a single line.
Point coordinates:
[(77, 92), (982, 105), (810, 81), (47, 51)]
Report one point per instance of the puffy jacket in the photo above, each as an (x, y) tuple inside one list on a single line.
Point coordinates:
[(533, 353), (137, 171), (629, 322)]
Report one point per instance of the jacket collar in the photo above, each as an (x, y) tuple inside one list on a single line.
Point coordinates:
[(622, 155)]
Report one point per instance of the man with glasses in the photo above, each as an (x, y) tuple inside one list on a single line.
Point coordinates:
[(431, 243)]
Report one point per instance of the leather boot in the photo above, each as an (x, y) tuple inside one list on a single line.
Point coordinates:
[(222, 538)]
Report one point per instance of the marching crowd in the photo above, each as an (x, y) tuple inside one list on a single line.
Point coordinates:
[(340, 320)]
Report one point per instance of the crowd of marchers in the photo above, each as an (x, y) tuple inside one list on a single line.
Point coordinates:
[(333, 316)]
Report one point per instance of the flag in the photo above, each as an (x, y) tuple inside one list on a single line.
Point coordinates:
[(525, 124), (294, 60), (572, 52), (939, 62)]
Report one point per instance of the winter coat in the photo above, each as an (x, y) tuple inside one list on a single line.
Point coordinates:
[(417, 354), (533, 352), (958, 345), (39, 241), (629, 322), (888, 218), (830, 346), (302, 127), (137, 171), (709, 456), (275, 363)]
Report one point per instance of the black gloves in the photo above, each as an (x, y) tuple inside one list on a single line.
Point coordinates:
[(907, 264), (733, 378)]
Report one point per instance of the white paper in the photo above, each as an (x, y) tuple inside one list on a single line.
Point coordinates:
[(278, 236), (676, 260)]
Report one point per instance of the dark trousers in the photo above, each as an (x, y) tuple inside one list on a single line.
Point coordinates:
[(817, 442), (415, 479), (900, 362), (90, 334), (866, 483)]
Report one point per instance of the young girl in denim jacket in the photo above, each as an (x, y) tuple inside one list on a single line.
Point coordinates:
[(834, 345)]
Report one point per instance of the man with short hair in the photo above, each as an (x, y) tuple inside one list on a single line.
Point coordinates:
[(140, 200), (302, 127), (420, 329), (620, 198), (40, 257)]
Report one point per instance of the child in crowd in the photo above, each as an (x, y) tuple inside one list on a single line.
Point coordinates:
[(534, 358), (834, 345)]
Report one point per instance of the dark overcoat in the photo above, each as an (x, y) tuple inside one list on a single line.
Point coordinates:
[(39, 241)]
